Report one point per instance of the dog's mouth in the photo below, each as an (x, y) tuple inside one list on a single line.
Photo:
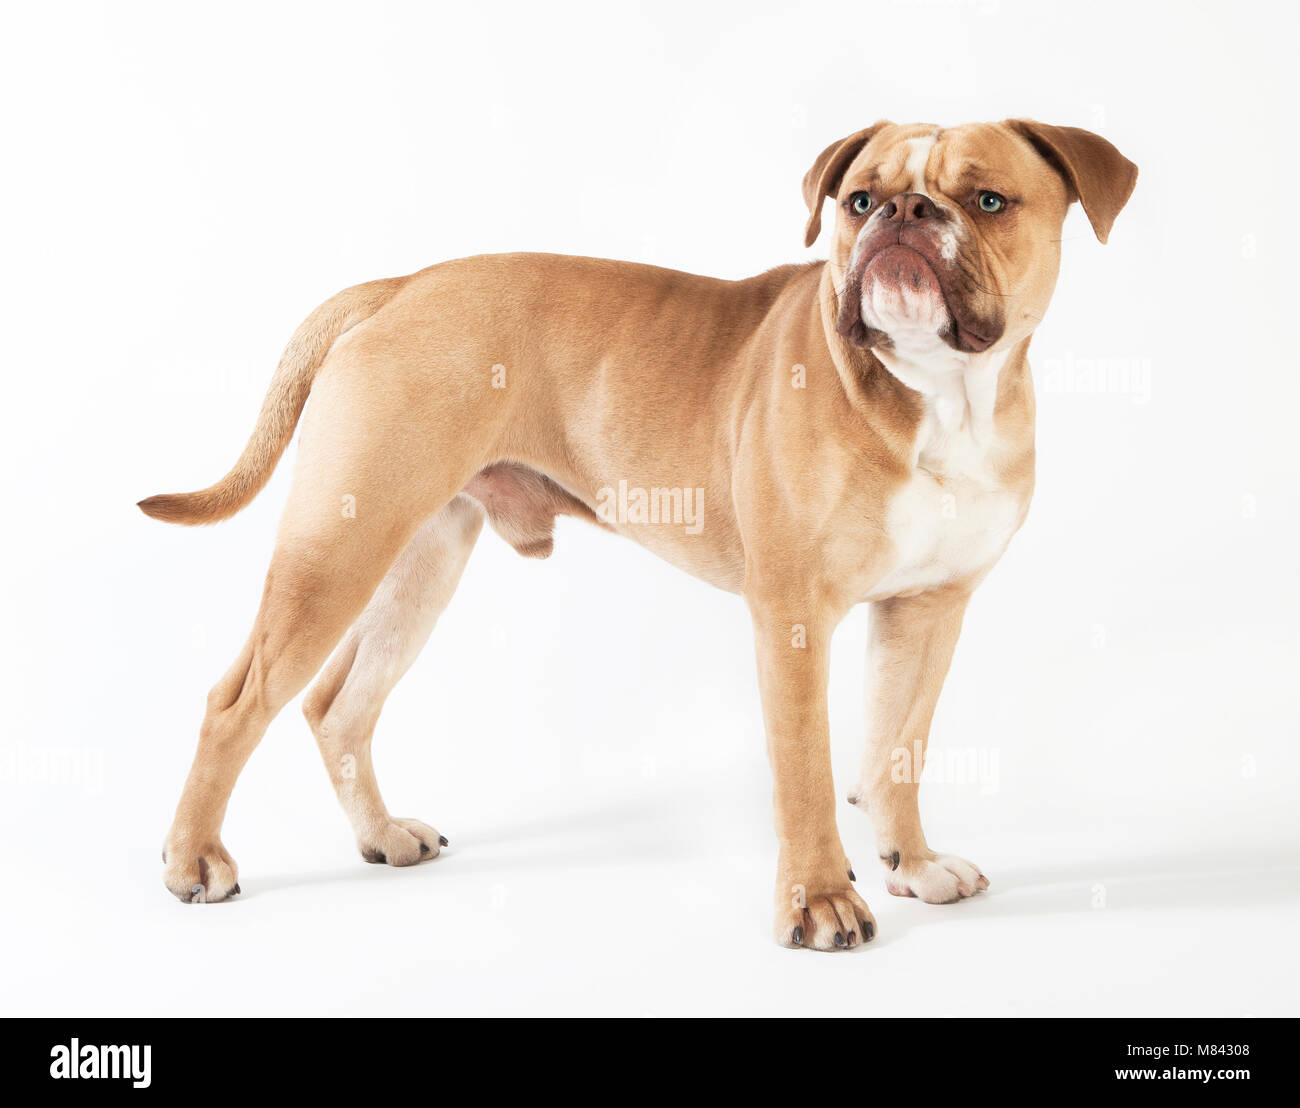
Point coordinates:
[(895, 285)]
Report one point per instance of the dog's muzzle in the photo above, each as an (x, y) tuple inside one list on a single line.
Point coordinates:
[(907, 256)]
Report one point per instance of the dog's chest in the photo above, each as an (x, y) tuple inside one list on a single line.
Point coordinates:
[(953, 517)]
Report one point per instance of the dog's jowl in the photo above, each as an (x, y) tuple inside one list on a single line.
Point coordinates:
[(859, 429)]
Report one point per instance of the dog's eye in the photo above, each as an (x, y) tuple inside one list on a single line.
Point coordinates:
[(991, 201), (860, 203)]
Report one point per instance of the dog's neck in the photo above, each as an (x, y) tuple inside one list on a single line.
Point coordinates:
[(959, 390), (932, 405)]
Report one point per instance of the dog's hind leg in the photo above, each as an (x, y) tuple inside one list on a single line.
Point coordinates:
[(343, 705), (353, 508)]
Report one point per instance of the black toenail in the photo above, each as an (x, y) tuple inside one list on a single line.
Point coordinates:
[(797, 936), (852, 876), (424, 848), (839, 939), (235, 890), (894, 861), (869, 929), (442, 840)]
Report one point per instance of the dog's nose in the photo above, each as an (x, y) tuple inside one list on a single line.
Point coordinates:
[(907, 207)]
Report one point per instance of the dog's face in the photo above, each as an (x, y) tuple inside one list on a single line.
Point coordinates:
[(953, 235)]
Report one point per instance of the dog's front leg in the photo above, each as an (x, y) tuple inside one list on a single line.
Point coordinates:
[(911, 645), (816, 904)]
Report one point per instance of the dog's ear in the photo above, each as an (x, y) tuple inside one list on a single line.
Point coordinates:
[(827, 171), (1097, 174)]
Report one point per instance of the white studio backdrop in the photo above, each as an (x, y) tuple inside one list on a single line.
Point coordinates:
[(184, 184)]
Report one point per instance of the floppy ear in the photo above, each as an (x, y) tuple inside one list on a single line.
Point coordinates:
[(824, 178), (1098, 175)]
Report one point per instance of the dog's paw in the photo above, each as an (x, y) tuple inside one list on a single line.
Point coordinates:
[(402, 842), (837, 920), (934, 878), (202, 874)]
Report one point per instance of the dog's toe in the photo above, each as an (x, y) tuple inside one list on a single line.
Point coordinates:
[(402, 842), (937, 879), (203, 875), (835, 921)]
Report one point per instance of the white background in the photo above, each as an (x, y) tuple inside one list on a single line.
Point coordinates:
[(184, 183)]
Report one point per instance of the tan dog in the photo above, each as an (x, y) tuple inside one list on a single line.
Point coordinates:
[(821, 435)]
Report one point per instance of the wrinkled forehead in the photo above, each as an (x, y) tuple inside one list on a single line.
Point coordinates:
[(921, 157)]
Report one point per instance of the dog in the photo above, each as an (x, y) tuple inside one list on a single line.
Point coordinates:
[(848, 431)]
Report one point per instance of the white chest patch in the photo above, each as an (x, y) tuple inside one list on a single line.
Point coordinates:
[(953, 518)]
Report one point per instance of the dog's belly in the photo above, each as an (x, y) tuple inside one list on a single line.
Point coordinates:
[(522, 504)]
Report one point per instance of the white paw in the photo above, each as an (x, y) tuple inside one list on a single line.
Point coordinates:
[(401, 842), (934, 878)]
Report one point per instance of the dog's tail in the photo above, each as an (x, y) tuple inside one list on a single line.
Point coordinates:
[(281, 408)]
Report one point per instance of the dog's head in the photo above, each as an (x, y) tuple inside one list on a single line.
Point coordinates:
[(954, 234)]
